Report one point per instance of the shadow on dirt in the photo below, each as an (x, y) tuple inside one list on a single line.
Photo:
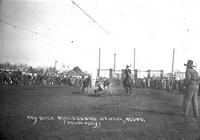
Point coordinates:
[(95, 95), (119, 94), (77, 92), (82, 94)]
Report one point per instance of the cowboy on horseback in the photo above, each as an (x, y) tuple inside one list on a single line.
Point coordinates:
[(87, 83), (127, 81), (127, 71)]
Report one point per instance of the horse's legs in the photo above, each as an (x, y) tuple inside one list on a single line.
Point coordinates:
[(130, 90), (110, 90), (83, 89), (87, 90), (126, 88), (106, 89)]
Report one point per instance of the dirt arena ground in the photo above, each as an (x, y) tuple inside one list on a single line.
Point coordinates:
[(159, 113)]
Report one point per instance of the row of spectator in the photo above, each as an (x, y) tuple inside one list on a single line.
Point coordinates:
[(20, 78), (168, 84)]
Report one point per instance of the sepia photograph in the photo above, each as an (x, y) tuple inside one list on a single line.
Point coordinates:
[(99, 69)]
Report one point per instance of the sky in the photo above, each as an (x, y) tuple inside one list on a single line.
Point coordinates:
[(57, 30)]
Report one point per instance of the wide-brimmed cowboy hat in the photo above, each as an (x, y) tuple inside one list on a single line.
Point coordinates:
[(189, 63), (127, 66)]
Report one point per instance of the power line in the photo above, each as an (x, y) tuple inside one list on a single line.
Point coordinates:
[(27, 30), (90, 17)]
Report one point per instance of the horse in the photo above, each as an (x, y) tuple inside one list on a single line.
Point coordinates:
[(87, 83), (128, 84)]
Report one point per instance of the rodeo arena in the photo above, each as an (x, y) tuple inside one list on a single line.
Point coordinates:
[(93, 98), (41, 103), (154, 79)]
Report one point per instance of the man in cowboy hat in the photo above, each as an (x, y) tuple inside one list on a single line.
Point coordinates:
[(127, 71), (191, 89)]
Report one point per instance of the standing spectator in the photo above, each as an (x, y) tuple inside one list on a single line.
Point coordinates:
[(164, 84), (144, 82), (191, 90), (180, 86), (148, 82)]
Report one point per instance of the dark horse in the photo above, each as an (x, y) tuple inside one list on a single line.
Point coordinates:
[(128, 83), (87, 83)]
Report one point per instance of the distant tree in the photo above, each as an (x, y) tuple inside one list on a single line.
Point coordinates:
[(1, 66), (23, 67), (6, 66), (86, 72), (50, 71), (42, 70), (77, 69), (15, 67)]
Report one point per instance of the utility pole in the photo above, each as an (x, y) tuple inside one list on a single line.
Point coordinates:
[(55, 66), (173, 61), (98, 71), (114, 68), (56, 63), (134, 60)]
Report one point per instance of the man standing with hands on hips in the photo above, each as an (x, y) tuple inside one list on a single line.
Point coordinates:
[(191, 86)]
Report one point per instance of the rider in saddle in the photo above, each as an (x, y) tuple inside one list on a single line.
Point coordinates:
[(127, 71), (87, 81)]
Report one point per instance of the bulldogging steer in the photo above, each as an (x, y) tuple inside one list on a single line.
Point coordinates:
[(103, 87)]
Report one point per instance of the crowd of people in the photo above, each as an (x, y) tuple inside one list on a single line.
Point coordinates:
[(19, 78), (168, 84)]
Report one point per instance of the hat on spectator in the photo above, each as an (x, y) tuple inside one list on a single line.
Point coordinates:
[(189, 63)]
